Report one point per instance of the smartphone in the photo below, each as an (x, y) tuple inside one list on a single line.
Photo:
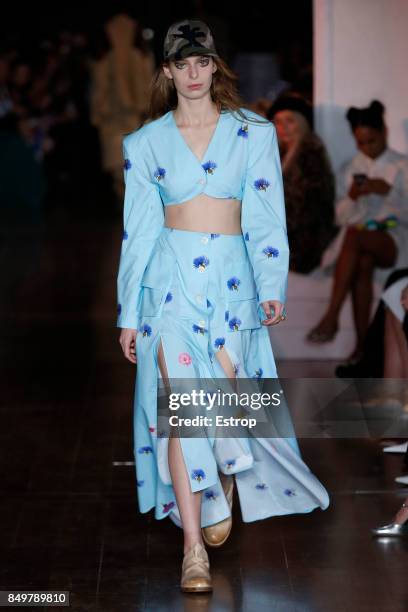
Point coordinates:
[(359, 178)]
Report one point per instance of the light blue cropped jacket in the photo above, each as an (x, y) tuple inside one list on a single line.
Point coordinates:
[(242, 161)]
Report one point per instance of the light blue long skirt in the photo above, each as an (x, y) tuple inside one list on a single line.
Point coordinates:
[(199, 297)]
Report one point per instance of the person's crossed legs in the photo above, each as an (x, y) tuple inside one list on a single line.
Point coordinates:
[(361, 252)]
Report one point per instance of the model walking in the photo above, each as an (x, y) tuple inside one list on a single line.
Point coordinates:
[(203, 272)]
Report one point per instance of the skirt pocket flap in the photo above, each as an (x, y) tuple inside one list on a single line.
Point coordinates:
[(158, 271), (155, 284), (152, 300), (243, 314), (240, 283)]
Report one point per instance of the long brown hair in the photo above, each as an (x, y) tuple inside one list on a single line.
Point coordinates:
[(163, 94)]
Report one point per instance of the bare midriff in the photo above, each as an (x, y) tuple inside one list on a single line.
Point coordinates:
[(204, 213)]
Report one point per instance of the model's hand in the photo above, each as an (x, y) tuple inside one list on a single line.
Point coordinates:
[(278, 312), (127, 341)]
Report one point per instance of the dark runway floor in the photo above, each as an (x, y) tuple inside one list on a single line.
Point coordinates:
[(68, 514)]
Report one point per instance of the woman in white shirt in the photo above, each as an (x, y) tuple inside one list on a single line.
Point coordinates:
[(372, 208)]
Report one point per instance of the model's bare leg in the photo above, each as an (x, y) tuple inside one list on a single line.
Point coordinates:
[(379, 245), (227, 365), (362, 295), (395, 348), (189, 503), (402, 515)]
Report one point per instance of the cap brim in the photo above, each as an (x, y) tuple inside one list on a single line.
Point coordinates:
[(199, 52)]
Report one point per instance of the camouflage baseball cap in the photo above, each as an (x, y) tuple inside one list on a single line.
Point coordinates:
[(188, 37)]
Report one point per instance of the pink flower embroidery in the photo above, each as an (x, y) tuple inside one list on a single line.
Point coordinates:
[(184, 359)]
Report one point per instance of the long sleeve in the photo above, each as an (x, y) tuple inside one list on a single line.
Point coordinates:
[(263, 217), (397, 200), (99, 95), (143, 221), (143, 71)]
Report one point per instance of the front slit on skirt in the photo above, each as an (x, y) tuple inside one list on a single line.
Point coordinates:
[(198, 297)]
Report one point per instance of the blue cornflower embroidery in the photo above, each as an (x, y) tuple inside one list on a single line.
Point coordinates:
[(119, 308), (235, 323), (169, 297), (125, 235), (226, 315), (211, 495), (243, 131), (219, 343), (258, 373), (146, 330), (261, 486), (270, 251), (140, 483), (209, 167), (145, 450), (229, 463), (201, 262), (289, 492), (160, 173), (168, 507), (246, 236), (127, 164), (197, 329), (233, 283), (215, 236), (198, 474), (261, 184)]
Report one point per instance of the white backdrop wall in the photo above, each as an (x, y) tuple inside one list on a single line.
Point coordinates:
[(360, 54)]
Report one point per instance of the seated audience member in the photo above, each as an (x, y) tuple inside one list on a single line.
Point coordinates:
[(371, 362), (308, 182), (395, 298), (372, 208)]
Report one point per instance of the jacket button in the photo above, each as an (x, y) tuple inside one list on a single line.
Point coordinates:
[(201, 323), (199, 298), (204, 239), (202, 181)]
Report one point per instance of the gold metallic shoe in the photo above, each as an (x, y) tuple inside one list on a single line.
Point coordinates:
[(195, 571), (215, 535)]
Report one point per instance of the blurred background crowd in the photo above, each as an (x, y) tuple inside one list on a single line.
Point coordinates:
[(72, 81)]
